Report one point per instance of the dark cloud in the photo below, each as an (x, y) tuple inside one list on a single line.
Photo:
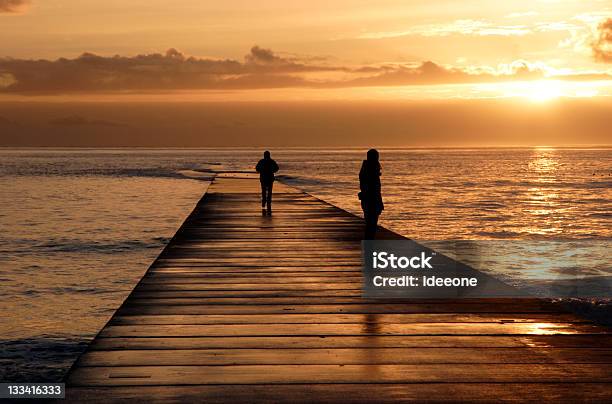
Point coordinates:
[(432, 73), (151, 72), (13, 6), (261, 68), (267, 57), (76, 120), (263, 56), (262, 60), (602, 46)]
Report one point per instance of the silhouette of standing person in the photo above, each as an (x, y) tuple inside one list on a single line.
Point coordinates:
[(370, 195), (266, 167)]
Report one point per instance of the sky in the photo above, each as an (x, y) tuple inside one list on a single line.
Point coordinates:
[(436, 56)]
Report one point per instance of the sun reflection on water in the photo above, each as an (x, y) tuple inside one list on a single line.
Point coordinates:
[(544, 197)]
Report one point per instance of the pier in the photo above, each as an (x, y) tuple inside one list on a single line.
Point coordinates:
[(245, 307)]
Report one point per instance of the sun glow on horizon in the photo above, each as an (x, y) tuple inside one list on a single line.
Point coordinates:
[(540, 91), (544, 90)]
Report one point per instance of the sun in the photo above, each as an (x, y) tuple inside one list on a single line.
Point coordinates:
[(543, 90)]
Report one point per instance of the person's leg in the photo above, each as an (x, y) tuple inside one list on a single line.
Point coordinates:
[(371, 222), (367, 235), (269, 195), (366, 219), (263, 195), (374, 225)]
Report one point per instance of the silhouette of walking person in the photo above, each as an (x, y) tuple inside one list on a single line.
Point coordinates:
[(370, 195), (266, 167)]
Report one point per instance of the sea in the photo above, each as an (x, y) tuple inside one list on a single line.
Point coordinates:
[(79, 227)]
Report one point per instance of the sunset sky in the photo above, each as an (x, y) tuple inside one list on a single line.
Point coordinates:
[(549, 55)]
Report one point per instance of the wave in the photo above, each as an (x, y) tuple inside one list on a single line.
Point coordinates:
[(44, 358), (503, 234), (597, 310), (552, 183), (85, 246), (202, 170), (588, 287), (524, 236)]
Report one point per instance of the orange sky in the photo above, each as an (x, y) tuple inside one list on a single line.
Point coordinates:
[(536, 51), (349, 31), (343, 42)]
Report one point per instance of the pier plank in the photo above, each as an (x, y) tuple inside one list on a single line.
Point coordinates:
[(592, 341), (186, 330), (337, 393), (294, 374), (343, 356), (346, 318)]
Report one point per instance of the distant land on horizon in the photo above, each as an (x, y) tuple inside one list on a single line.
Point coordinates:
[(469, 123)]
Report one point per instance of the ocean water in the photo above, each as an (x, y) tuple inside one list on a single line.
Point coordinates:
[(80, 226)]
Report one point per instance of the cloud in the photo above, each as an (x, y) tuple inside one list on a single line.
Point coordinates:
[(261, 69), (602, 45), (524, 14), (76, 120), (432, 73), (461, 27), (173, 70), (13, 6), (263, 56), (484, 28), (587, 33)]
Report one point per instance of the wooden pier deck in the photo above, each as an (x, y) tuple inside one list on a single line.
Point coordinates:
[(242, 307)]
